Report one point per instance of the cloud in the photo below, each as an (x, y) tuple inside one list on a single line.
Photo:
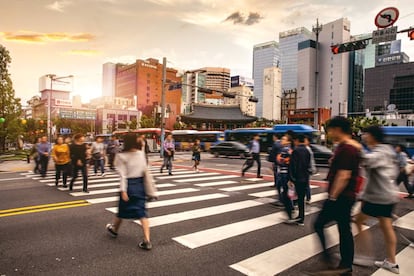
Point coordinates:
[(83, 52), (33, 37), (58, 6), (240, 18)]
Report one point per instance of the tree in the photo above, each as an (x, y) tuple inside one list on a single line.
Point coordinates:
[(147, 122), (133, 124), (10, 106)]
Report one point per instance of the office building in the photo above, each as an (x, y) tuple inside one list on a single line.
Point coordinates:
[(265, 55), (108, 79), (242, 94), (272, 93), (288, 47), (241, 80)]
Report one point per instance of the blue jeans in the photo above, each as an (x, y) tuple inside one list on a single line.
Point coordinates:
[(167, 163), (282, 185), (98, 163)]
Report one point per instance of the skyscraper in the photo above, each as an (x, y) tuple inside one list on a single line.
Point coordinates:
[(288, 46), (272, 93), (108, 79), (265, 55)]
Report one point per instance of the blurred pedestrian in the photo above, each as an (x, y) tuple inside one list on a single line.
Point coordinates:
[(342, 179), (98, 155), (380, 194), (112, 149), (145, 146), (312, 169), (254, 147), (35, 155), (276, 147), (402, 158), (299, 175), (43, 151), (169, 149), (78, 157), (132, 168), (61, 156), (196, 157)]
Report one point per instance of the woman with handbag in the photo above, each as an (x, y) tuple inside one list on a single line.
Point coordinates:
[(134, 172)]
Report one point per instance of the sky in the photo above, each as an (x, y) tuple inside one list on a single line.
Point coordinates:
[(76, 37)]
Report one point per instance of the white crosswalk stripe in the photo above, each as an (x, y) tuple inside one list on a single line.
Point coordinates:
[(219, 194)]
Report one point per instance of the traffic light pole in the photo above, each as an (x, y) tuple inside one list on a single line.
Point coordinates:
[(164, 80), (316, 30)]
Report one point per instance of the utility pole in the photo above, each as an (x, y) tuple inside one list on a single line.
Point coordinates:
[(316, 29), (164, 76)]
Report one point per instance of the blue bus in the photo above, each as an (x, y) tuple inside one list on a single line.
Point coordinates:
[(244, 135), (403, 135), (185, 138)]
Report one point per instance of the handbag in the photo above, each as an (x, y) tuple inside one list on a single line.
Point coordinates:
[(149, 185), (97, 155)]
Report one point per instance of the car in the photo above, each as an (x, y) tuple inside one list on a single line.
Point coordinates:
[(321, 154), (230, 148)]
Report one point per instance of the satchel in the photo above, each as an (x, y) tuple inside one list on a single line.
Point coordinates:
[(97, 155), (149, 185)]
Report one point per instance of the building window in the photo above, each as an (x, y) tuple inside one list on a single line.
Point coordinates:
[(133, 117), (332, 34)]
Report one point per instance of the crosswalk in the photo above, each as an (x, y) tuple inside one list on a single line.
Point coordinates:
[(236, 210)]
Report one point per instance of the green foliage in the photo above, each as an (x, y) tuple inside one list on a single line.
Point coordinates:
[(359, 123), (133, 124), (10, 106), (76, 126), (147, 122), (179, 125)]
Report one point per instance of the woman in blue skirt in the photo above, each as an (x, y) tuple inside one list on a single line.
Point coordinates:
[(132, 166)]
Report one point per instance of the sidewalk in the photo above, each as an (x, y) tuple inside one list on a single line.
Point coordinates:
[(18, 166)]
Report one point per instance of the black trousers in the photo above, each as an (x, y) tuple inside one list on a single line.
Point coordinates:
[(339, 211), (256, 157), (61, 169), (111, 159), (44, 161), (84, 172), (403, 177), (300, 188)]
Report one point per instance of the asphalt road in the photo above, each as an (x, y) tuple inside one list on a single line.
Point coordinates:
[(210, 223)]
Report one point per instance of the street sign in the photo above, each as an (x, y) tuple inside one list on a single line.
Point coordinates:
[(387, 17), (384, 35)]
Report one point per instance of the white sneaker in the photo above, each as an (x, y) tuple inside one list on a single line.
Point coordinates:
[(103, 175), (388, 266)]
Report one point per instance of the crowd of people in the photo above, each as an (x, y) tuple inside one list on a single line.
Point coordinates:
[(370, 172)]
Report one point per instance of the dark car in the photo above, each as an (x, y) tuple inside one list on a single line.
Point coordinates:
[(321, 154), (230, 148)]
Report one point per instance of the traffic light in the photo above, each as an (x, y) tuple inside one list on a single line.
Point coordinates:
[(411, 34), (349, 46), (175, 86), (205, 90), (229, 95), (253, 99)]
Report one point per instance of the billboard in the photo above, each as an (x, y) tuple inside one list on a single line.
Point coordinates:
[(79, 114), (391, 59)]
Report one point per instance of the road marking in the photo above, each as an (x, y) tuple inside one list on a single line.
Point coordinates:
[(42, 208), (185, 176), (160, 193), (404, 259), (97, 192), (89, 181), (14, 178), (203, 212), (273, 192), (254, 179), (204, 178), (175, 173), (406, 222), (227, 231), (79, 187), (217, 183), (247, 187), (288, 254)]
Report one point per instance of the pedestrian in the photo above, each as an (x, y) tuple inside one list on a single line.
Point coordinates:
[(145, 146), (43, 151), (196, 154), (342, 180), (312, 169), (402, 158), (299, 175), (61, 156), (254, 147), (112, 149), (132, 168), (380, 194), (98, 155), (78, 157), (35, 155), (283, 160), (169, 149), (276, 147)]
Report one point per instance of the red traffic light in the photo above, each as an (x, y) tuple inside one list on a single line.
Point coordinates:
[(411, 34), (335, 49)]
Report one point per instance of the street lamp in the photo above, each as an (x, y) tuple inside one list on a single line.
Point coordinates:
[(52, 78)]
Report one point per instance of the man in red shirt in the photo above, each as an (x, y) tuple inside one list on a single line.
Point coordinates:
[(342, 178)]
